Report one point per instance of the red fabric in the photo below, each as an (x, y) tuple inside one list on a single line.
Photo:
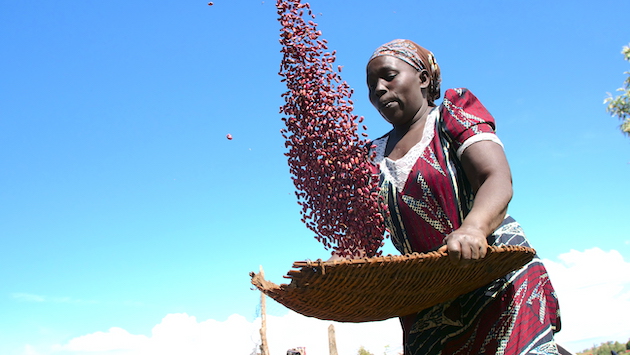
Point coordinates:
[(430, 182), (464, 116), (514, 315)]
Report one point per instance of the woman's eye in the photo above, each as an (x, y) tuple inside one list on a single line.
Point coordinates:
[(390, 77)]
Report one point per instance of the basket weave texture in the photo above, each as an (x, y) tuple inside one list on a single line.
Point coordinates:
[(379, 288)]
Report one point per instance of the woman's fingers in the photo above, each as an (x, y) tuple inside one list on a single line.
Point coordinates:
[(454, 250), (464, 248)]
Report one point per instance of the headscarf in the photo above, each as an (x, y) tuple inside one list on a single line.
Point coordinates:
[(416, 56)]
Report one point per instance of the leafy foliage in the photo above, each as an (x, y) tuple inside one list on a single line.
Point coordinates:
[(606, 348), (620, 105), (363, 351)]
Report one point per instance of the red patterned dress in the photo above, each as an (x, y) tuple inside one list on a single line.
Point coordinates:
[(428, 195)]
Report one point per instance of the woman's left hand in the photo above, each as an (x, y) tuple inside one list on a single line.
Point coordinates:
[(465, 245)]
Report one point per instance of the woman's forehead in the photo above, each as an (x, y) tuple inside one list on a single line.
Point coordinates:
[(386, 62)]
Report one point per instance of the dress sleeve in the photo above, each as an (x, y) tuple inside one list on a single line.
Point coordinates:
[(466, 120)]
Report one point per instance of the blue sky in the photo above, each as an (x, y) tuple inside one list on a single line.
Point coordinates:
[(122, 201)]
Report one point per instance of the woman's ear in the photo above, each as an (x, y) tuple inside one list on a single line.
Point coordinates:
[(423, 75)]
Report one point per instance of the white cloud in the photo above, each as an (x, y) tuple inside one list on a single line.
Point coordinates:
[(27, 297), (593, 287), (295, 330), (112, 340), (176, 334), (29, 350), (183, 334)]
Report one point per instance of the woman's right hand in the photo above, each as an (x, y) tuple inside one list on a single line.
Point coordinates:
[(465, 245)]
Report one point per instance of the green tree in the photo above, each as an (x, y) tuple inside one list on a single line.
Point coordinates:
[(605, 349), (362, 351), (620, 105)]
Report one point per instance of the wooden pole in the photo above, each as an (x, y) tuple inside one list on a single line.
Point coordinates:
[(332, 342), (264, 349)]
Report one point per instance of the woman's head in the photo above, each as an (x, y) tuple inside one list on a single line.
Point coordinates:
[(417, 57)]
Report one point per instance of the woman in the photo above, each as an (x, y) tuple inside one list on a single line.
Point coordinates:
[(447, 184)]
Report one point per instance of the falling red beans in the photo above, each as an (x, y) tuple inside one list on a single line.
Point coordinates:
[(328, 158), (228, 136)]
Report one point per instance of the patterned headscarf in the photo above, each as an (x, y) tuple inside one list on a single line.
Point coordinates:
[(416, 56)]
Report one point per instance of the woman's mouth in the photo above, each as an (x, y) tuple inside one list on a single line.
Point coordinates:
[(388, 104)]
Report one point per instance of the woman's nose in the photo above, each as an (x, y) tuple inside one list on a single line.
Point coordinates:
[(380, 89)]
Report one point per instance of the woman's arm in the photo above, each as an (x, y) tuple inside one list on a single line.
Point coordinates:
[(487, 169)]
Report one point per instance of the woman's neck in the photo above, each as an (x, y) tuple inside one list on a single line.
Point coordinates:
[(417, 121), (403, 137)]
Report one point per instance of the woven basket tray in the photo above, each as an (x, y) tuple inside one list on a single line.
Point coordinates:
[(383, 287)]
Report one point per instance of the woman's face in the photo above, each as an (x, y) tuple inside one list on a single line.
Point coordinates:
[(395, 89)]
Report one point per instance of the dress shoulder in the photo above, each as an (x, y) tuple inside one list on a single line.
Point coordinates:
[(464, 118)]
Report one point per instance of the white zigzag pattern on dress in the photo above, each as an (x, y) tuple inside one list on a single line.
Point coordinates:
[(549, 348)]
